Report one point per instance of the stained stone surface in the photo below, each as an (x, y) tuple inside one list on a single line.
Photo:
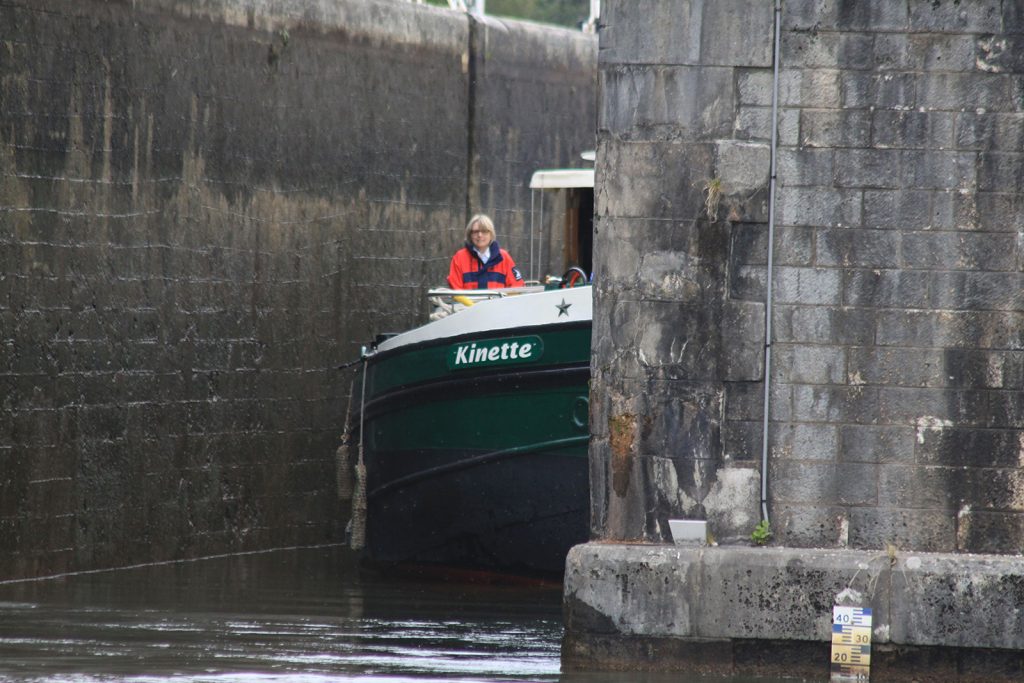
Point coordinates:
[(205, 209), (897, 283)]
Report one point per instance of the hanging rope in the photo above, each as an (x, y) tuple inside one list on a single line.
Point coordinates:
[(346, 366), (358, 540), (344, 466)]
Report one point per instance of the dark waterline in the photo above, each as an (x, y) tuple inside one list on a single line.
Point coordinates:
[(301, 615)]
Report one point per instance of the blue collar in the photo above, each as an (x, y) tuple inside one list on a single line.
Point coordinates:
[(495, 254)]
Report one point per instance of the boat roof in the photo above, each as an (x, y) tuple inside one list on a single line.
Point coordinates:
[(559, 178)]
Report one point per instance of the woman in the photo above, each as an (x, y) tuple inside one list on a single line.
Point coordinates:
[(482, 263)]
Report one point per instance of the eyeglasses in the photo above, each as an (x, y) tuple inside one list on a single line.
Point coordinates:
[(478, 232)]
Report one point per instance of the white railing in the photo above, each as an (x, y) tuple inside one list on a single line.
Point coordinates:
[(445, 301), (471, 6), (478, 7)]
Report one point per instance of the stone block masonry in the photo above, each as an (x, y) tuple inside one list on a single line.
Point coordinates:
[(897, 273), (681, 211), (895, 422), (768, 611), (205, 209), (923, 103)]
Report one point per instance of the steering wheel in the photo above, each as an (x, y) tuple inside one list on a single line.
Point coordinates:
[(573, 276)]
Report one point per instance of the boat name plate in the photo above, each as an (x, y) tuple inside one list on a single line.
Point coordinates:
[(507, 351)]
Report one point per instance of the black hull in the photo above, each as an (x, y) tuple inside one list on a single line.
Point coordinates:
[(515, 513)]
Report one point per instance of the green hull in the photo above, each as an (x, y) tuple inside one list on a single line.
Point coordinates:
[(480, 465)]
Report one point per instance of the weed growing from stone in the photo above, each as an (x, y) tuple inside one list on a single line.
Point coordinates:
[(761, 533), (712, 196)]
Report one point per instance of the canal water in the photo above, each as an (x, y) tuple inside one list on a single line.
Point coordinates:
[(289, 615)]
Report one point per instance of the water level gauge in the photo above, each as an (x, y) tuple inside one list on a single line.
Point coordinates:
[(851, 643)]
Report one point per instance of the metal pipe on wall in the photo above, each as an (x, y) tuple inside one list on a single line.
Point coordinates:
[(771, 247)]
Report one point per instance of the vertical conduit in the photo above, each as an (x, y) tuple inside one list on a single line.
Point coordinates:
[(532, 197), (771, 249), (540, 239)]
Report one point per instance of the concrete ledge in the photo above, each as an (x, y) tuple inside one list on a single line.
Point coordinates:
[(644, 598)]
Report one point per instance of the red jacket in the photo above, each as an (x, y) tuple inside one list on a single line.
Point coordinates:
[(467, 271)]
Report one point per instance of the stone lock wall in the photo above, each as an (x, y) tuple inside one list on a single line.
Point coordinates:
[(682, 171), (207, 207), (896, 339), (897, 329)]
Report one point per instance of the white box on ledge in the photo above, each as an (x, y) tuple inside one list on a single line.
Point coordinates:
[(688, 531)]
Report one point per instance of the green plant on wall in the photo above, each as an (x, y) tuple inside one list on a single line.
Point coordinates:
[(761, 533)]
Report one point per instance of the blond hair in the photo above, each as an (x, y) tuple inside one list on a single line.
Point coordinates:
[(484, 222)]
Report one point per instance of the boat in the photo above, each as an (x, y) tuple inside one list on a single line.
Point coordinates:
[(474, 431)]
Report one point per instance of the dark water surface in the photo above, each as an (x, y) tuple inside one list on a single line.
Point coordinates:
[(298, 615)]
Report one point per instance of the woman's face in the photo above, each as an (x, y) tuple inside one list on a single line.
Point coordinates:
[(481, 237)]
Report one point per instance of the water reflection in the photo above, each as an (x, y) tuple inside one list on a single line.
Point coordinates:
[(288, 615)]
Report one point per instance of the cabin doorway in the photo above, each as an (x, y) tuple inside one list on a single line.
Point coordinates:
[(579, 229), (571, 197)]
